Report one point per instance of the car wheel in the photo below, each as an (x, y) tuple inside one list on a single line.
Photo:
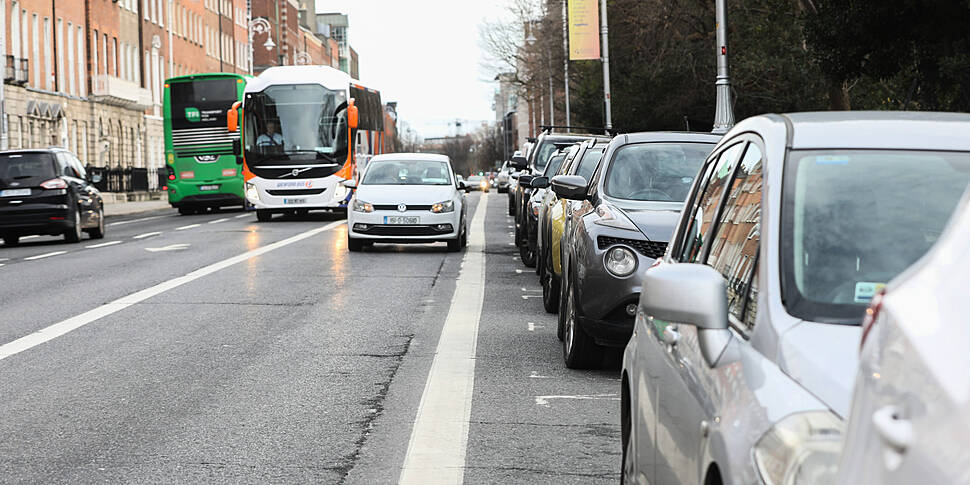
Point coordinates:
[(263, 215), (98, 231), (464, 235), (528, 255), (354, 245), (563, 288), (74, 233), (578, 350), (550, 290), (627, 461), (511, 205), (454, 245), (11, 240)]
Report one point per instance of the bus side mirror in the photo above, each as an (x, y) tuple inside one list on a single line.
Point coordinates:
[(232, 117), (237, 147), (353, 115)]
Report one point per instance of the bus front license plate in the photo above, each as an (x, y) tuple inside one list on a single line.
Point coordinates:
[(208, 187), (401, 220), (294, 201)]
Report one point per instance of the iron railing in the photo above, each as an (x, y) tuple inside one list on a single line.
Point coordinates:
[(127, 179)]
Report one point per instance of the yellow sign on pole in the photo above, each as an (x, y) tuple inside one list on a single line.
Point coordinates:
[(584, 23)]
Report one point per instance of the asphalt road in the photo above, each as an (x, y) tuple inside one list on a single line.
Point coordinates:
[(213, 348)]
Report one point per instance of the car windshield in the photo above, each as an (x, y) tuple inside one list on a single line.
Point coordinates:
[(407, 172), (542, 157), (853, 220), (659, 172), (475, 178), (16, 167)]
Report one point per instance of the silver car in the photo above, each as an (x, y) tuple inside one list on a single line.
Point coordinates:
[(910, 418), (745, 344)]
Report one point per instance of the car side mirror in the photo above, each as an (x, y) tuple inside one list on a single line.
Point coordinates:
[(572, 187), (525, 179), (520, 162), (462, 185), (690, 294), (539, 182), (349, 183)]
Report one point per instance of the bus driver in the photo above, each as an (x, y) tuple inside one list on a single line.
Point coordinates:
[(271, 138)]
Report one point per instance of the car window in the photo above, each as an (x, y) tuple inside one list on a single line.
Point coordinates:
[(65, 167), (78, 166), (591, 158), (708, 201), (23, 166), (734, 247)]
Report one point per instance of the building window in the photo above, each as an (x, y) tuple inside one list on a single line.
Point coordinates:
[(104, 54), (60, 56), (81, 81), (34, 67), (48, 56), (71, 84), (144, 6), (15, 30), (114, 56)]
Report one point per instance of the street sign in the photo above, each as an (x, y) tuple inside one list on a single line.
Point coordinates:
[(584, 23)]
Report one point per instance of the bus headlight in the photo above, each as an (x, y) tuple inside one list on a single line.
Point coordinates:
[(446, 206), (361, 206), (803, 448), (251, 192)]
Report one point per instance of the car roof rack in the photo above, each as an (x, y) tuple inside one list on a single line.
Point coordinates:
[(590, 129)]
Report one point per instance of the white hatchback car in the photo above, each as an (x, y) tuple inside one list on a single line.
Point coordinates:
[(407, 198), (910, 418)]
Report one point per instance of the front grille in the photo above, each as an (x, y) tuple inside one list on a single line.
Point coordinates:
[(404, 230), (392, 207), (295, 192), (269, 172), (650, 249)]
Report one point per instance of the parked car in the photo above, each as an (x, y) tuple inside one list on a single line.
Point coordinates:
[(527, 252), (502, 179), (909, 421), (533, 166), (553, 214), (629, 210), (477, 182), (407, 198), (745, 348), (47, 192)]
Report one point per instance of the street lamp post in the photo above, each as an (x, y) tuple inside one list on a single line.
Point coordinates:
[(724, 112), (605, 35), (259, 26), (565, 59)]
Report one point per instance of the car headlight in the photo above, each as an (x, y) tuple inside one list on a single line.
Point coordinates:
[(612, 217), (620, 261), (536, 205), (252, 192), (802, 449), (446, 206), (361, 206)]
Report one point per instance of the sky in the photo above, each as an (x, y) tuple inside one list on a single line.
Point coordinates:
[(425, 55)]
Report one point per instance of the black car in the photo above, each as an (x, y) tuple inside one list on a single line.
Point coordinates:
[(46, 191)]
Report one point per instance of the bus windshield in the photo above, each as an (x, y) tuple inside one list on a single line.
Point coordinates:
[(304, 122), (198, 115)]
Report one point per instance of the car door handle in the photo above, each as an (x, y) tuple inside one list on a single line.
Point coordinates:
[(671, 336), (892, 429)]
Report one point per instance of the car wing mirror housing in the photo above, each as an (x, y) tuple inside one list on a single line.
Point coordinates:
[(539, 182), (571, 187), (349, 183), (691, 294), (525, 179), (520, 162)]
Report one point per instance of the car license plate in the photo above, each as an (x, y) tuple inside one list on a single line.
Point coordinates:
[(294, 201), (208, 187), (402, 220), (14, 192)]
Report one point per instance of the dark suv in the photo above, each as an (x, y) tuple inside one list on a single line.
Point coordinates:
[(46, 191)]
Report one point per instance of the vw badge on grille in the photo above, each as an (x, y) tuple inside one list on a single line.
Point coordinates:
[(402, 207), (295, 172)]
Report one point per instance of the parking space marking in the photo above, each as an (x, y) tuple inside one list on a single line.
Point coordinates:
[(536, 375), (147, 234), (45, 255), (224, 219), (104, 244), (439, 438), (526, 297), (240, 216), (119, 223), (56, 330), (544, 400), (190, 226), (533, 326)]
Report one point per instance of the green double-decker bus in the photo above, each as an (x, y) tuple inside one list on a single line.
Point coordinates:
[(201, 156)]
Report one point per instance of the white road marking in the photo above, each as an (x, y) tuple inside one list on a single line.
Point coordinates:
[(240, 216), (170, 247), (224, 219), (109, 243), (536, 375), (133, 220), (518, 271), (544, 400), (147, 234), (439, 438), (29, 237), (56, 330), (526, 297), (190, 226), (533, 326), (4, 259), (45, 255), (532, 290), (1, 264)]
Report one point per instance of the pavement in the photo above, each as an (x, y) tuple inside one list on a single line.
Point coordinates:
[(213, 348), (112, 209)]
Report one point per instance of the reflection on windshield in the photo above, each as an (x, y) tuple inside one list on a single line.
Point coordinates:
[(854, 220), (296, 122), (659, 172), (407, 172)]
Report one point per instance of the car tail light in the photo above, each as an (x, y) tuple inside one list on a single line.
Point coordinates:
[(54, 184), (872, 314)]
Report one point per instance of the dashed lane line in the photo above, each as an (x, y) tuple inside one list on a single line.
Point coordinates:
[(224, 219), (240, 216), (56, 330), (119, 223), (190, 226), (147, 234), (104, 244), (439, 438), (45, 255)]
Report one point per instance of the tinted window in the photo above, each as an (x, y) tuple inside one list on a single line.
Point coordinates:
[(590, 159), (25, 166), (703, 211), (555, 163), (542, 157), (854, 219), (202, 103), (654, 171), (407, 172), (734, 247)]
